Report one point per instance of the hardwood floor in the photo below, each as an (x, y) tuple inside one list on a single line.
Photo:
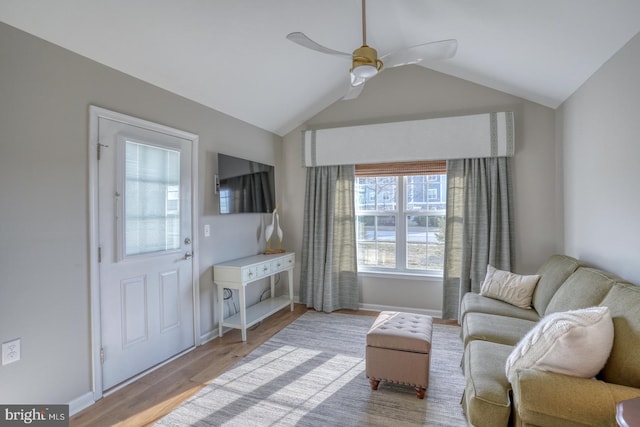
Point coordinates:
[(151, 397)]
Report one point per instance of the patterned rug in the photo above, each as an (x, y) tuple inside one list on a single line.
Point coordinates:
[(312, 374)]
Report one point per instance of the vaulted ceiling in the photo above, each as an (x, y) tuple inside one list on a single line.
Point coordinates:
[(232, 55)]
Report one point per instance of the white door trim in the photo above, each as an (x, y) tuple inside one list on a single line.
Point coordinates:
[(94, 273)]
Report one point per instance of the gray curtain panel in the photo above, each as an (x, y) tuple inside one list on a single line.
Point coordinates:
[(328, 277), (479, 228)]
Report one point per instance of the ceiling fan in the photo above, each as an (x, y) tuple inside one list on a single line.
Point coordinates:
[(365, 62)]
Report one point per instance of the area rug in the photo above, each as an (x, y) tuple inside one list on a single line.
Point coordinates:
[(312, 373)]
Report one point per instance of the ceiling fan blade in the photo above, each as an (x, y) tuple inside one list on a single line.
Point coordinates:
[(431, 51), (302, 39), (353, 92), (356, 81)]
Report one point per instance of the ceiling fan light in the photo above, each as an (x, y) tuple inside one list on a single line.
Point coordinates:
[(364, 72)]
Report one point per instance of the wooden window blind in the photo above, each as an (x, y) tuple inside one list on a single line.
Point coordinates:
[(432, 167)]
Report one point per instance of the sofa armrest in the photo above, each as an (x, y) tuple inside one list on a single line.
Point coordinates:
[(550, 399)]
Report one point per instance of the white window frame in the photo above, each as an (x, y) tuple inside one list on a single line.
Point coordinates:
[(400, 213)]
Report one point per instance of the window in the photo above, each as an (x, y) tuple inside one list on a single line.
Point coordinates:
[(151, 200), (400, 214)]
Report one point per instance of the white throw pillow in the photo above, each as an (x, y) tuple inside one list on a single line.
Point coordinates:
[(575, 343), (509, 287)]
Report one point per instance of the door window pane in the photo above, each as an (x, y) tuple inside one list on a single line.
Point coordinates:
[(151, 199)]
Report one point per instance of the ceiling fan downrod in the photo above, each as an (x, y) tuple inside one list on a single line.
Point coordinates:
[(365, 62), (364, 22)]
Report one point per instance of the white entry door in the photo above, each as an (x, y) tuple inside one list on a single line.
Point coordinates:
[(145, 248)]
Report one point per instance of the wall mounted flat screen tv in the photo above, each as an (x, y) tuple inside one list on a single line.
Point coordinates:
[(245, 186)]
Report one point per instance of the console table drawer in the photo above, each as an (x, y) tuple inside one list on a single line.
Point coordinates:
[(263, 269), (283, 263), (249, 273), (244, 274)]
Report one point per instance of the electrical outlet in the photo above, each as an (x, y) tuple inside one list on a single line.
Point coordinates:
[(10, 351)]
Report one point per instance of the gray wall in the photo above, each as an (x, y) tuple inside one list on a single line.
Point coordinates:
[(416, 92), (45, 93), (599, 129)]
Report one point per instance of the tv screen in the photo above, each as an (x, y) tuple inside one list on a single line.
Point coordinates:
[(245, 186)]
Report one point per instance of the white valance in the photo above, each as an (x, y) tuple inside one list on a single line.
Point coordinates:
[(462, 137)]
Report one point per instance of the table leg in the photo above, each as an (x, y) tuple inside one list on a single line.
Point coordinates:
[(243, 313), (290, 277), (220, 309), (272, 281)]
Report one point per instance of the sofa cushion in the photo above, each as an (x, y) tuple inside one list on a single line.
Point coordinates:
[(476, 303), (623, 366), (486, 400), (552, 274), (494, 328), (511, 288), (574, 343), (586, 287)]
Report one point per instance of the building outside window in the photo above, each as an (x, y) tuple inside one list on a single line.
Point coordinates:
[(400, 215)]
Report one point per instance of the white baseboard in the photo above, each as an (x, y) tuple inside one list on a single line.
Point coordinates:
[(379, 307), (208, 336), (376, 307), (80, 403)]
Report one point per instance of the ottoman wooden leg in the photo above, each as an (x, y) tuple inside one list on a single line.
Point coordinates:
[(374, 383), (420, 392)]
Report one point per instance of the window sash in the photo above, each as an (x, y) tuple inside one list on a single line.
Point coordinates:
[(402, 262)]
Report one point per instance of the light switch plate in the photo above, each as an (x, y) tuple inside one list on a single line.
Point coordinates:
[(10, 351)]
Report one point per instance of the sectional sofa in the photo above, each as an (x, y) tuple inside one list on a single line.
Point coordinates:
[(493, 329)]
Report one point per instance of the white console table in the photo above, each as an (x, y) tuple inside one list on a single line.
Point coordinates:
[(238, 273)]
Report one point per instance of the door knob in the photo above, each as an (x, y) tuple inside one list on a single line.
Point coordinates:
[(188, 255)]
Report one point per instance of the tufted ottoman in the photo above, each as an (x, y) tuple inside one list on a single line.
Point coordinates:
[(398, 347)]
